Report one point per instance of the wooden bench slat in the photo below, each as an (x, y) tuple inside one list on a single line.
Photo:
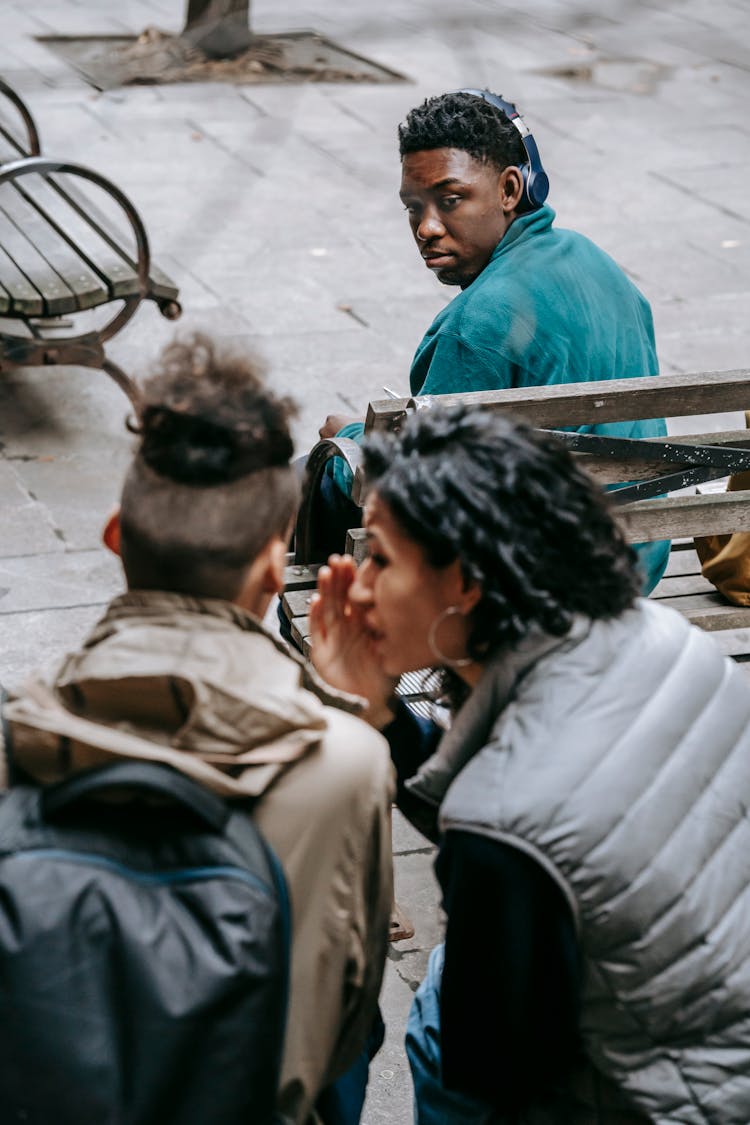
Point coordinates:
[(297, 576), (679, 585), (711, 612), (23, 297), (87, 287), (682, 563), (296, 603), (650, 520), (356, 543), (714, 514), (593, 403), (116, 272), (57, 297), (300, 631), (161, 285)]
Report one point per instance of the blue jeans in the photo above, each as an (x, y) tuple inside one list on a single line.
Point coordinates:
[(341, 1103), (433, 1104), (652, 560)]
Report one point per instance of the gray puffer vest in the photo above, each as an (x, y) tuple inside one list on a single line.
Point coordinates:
[(622, 764)]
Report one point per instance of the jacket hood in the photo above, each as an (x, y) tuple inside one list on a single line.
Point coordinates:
[(196, 683)]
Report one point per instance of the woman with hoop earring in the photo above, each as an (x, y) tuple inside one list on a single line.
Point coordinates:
[(589, 797)]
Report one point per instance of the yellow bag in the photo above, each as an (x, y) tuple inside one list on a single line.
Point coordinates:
[(725, 559)]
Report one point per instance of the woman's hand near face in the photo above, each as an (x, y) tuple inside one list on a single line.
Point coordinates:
[(342, 650)]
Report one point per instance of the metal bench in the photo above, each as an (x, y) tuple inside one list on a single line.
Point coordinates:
[(675, 466), (62, 256)]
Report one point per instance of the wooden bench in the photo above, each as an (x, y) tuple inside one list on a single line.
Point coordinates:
[(61, 256), (676, 465), (655, 466)]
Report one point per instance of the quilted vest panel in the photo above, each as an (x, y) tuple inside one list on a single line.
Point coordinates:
[(623, 766)]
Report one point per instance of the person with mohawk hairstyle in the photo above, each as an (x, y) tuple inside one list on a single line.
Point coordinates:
[(181, 671)]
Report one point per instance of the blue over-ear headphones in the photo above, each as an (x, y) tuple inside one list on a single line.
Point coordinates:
[(535, 181)]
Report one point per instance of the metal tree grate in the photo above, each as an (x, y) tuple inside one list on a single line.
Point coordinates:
[(155, 58)]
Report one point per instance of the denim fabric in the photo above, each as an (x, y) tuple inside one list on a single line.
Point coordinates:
[(341, 1103), (652, 561), (339, 471), (433, 1104)]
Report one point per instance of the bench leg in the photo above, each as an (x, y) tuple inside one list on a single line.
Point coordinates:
[(124, 382)]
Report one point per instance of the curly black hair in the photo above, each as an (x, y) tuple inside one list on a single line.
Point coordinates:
[(529, 527), (466, 122)]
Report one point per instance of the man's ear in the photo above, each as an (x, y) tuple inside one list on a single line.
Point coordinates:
[(511, 188), (111, 533), (263, 578)]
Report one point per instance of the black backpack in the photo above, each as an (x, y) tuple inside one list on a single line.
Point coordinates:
[(144, 954)]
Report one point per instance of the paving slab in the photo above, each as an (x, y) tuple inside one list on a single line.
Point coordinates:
[(53, 581), (52, 411), (27, 525), (74, 492), (37, 640)]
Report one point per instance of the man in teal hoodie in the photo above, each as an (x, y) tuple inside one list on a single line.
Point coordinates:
[(537, 305)]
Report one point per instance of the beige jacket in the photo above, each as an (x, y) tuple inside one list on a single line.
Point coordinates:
[(200, 685)]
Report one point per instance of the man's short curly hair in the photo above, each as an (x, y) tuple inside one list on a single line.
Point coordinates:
[(466, 122), (529, 527)]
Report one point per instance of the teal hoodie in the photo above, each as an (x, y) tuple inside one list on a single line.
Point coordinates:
[(549, 307)]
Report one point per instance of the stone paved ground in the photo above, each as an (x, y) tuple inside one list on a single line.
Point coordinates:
[(275, 209)]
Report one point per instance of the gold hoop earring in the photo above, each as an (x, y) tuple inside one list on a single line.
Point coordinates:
[(433, 646)]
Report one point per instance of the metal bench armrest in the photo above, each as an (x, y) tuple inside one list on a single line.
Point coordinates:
[(318, 458), (44, 166), (34, 144)]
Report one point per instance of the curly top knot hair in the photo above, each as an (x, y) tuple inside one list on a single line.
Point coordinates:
[(207, 419), (526, 524), (466, 122)]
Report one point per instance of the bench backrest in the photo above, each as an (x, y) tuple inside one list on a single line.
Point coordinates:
[(59, 252), (581, 404), (576, 404)]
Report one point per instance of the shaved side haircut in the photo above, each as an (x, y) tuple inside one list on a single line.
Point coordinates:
[(210, 484)]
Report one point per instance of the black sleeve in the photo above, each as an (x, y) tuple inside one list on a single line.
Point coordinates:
[(412, 740), (511, 982)]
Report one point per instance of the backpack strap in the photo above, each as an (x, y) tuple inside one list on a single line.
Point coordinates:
[(146, 777)]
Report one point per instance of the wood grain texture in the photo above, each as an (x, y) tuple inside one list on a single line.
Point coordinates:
[(608, 400)]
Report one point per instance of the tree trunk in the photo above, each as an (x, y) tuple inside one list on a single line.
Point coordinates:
[(220, 28)]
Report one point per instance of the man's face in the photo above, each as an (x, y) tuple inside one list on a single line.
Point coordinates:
[(458, 210)]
